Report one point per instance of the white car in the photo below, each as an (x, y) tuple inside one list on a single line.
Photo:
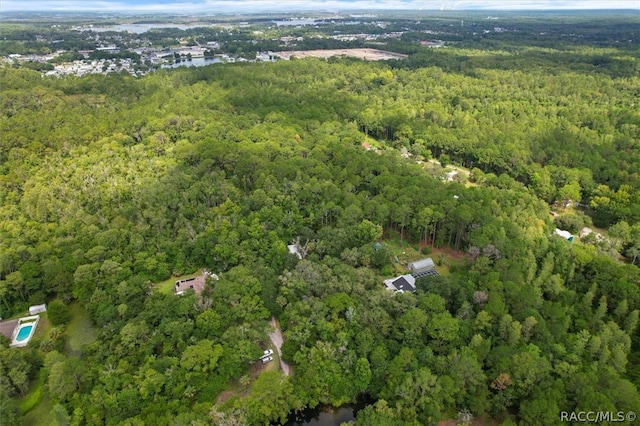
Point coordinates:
[(267, 353), (267, 359)]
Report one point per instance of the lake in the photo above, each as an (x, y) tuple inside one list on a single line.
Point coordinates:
[(140, 28), (195, 62), (296, 22)]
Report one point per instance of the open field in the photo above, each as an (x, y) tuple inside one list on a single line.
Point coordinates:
[(79, 331), (435, 169), (38, 414), (366, 54), (406, 252)]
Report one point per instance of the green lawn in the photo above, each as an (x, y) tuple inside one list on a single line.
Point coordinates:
[(33, 397), (402, 250), (44, 325), (168, 286), (40, 415), (79, 331), (444, 258), (407, 252), (275, 364), (36, 404)]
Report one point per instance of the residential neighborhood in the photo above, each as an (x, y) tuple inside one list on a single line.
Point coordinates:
[(139, 48)]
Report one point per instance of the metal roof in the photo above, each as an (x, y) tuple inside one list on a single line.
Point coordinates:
[(405, 283), (419, 265)]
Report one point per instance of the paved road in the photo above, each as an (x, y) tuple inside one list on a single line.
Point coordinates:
[(276, 338)]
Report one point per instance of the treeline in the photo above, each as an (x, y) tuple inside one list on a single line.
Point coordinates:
[(110, 183)]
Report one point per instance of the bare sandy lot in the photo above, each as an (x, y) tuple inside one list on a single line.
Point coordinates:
[(366, 54)]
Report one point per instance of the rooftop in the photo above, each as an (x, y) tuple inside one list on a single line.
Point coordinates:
[(564, 234), (421, 265), (196, 283), (7, 327), (401, 283)]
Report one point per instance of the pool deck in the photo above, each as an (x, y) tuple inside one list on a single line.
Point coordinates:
[(30, 320), (7, 327)]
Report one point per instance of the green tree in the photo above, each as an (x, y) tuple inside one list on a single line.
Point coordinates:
[(201, 357), (271, 398), (58, 313)]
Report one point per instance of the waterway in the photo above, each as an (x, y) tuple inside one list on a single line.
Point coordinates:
[(139, 28), (317, 417), (327, 415), (195, 62), (296, 22)]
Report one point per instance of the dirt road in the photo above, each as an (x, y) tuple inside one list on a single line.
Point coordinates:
[(276, 338)]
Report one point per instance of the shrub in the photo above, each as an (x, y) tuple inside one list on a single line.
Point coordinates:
[(426, 250), (386, 270), (570, 222), (37, 298)]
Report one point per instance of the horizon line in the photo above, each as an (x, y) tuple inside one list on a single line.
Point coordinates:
[(291, 11), (249, 7)]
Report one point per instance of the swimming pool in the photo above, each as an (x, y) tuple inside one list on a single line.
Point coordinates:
[(24, 333)]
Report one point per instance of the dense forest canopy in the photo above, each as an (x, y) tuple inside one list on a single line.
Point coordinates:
[(109, 184)]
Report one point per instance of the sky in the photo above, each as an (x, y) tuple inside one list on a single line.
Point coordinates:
[(212, 6)]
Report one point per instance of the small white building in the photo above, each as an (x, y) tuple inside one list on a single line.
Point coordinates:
[(564, 234), (37, 309), (421, 265)]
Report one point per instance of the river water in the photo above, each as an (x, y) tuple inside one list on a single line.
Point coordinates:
[(316, 417), (329, 416), (140, 28), (195, 62)]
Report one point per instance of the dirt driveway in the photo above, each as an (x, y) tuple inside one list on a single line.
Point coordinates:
[(276, 338)]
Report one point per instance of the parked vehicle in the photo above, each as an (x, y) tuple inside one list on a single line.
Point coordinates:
[(268, 352), (267, 359)]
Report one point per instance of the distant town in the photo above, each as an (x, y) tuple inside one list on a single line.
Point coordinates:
[(135, 45), (78, 46)]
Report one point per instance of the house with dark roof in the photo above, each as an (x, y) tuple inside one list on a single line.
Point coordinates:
[(401, 284)]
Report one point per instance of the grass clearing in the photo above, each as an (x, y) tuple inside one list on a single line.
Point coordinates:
[(403, 250), (445, 258), (435, 169), (168, 286), (39, 415), (44, 325), (270, 366), (406, 252), (33, 397), (80, 331), (239, 389)]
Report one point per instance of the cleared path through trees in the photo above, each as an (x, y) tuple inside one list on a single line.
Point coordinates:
[(276, 338)]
